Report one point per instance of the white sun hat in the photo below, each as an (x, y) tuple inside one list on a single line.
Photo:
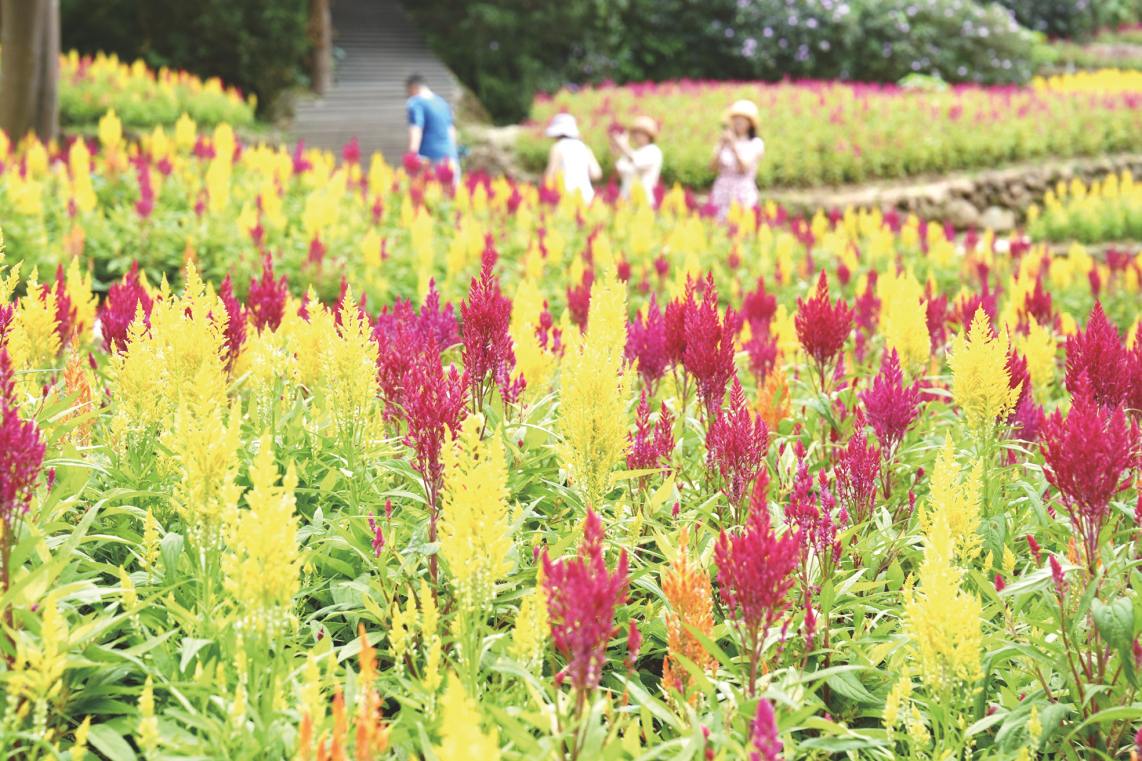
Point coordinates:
[(563, 125)]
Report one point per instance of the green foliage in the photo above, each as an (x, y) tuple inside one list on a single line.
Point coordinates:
[(256, 45)]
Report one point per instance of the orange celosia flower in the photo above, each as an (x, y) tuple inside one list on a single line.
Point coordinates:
[(77, 380), (372, 735), (687, 589), (773, 397), (340, 727), (305, 739)]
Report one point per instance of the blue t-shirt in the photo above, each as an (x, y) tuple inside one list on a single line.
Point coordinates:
[(434, 117)]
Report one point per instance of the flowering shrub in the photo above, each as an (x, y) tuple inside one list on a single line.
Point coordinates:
[(829, 132), (784, 488)]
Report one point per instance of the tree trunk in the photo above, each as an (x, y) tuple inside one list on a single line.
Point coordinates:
[(29, 68), (321, 35)]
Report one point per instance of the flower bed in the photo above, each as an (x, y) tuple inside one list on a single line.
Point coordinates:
[(546, 481), (829, 133), (143, 98)]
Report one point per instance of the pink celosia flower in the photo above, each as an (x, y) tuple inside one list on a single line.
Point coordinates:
[(236, 322), (823, 326), (1058, 577), (677, 313), (486, 318), (936, 316), (22, 451), (1088, 453), (1098, 352), (1034, 547), (736, 445), (634, 643), (146, 203), (763, 734), (891, 407), (351, 152), (65, 314), (437, 323), (266, 298), (646, 343), (762, 351), (378, 536), (709, 355), (651, 446), (1037, 304), (118, 310), (758, 307), (579, 300), (581, 599), (755, 574), (857, 473)]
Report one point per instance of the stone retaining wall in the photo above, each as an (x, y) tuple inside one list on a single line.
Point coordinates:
[(996, 199)]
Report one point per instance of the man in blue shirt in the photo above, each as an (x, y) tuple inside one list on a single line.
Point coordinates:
[(431, 133)]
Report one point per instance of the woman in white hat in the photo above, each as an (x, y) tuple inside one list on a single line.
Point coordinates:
[(571, 157), (637, 156), (736, 158)]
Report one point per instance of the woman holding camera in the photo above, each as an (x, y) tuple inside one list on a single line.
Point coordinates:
[(637, 158), (736, 158)]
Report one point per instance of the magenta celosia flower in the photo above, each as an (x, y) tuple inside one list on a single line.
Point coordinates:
[(266, 298), (758, 307), (351, 151), (1037, 305), (646, 343), (823, 326), (857, 473), (581, 599), (317, 250), (398, 345), (486, 318), (736, 444), (709, 355), (936, 317), (891, 407), (65, 314), (1058, 577), (146, 203), (438, 323), (412, 164), (1088, 454), (763, 734), (1098, 352), (22, 451), (236, 324), (579, 300), (676, 315), (119, 309), (755, 574), (986, 299), (378, 536), (811, 508), (651, 446), (634, 644), (1034, 547)]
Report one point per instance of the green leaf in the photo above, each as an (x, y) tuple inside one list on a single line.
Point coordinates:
[(110, 743), (190, 648), (1115, 622), (846, 683), (171, 548)]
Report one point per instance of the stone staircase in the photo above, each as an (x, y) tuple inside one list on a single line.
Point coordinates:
[(376, 47)]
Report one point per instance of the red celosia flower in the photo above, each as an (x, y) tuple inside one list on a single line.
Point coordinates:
[(22, 451), (651, 446), (891, 407), (146, 203), (1034, 547), (1037, 304), (823, 326), (1058, 577), (317, 250), (646, 343), (936, 316), (351, 152), (581, 599), (810, 508), (755, 574), (709, 355), (857, 472), (236, 324), (736, 444), (119, 309), (438, 324), (1098, 352), (266, 298), (378, 536), (634, 643), (1088, 453), (763, 734), (986, 299), (486, 317), (762, 351), (435, 404)]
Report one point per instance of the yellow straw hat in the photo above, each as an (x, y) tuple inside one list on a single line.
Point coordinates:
[(747, 109), (646, 125)]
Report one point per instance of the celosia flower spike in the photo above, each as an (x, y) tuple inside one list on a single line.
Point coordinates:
[(1098, 352), (763, 734), (736, 445), (822, 327), (486, 317), (709, 354)]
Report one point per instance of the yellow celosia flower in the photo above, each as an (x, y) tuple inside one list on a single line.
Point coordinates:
[(34, 340), (474, 526), (36, 674), (79, 749), (148, 733), (957, 502), (529, 635), (941, 620), (906, 330), (980, 380), (83, 301), (110, 130), (897, 699), (594, 391), (261, 564), (462, 738), (205, 453), (349, 369), (1039, 347)]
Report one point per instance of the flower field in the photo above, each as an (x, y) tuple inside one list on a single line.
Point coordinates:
[(143, 98), (356, 465), (1110, 210), (830, 132)]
